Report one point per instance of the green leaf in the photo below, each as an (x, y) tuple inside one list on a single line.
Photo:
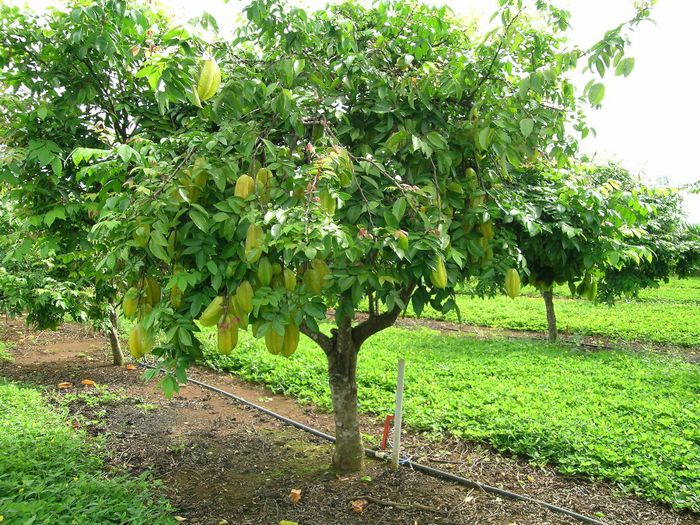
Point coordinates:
[(526, 126), (437, 141), (596, 93), (399, 208), (625, 66), (482, 138), (200, 220), (157, 250), (396, 141)]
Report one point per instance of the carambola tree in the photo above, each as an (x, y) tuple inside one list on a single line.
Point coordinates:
[(323, 160)]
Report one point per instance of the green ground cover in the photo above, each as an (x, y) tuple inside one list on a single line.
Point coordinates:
[(630, 418), (51, 474), (668, 315)]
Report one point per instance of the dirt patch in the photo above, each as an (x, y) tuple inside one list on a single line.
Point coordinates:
[(220, 461)]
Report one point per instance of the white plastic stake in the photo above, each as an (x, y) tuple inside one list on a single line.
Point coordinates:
[(398, 416)]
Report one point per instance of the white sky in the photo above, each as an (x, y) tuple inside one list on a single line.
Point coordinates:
[(649, 120)]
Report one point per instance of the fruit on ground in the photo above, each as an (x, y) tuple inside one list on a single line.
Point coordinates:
[(274, 341), (227, 335), (290, 340), (212, 313), (512, 283), (209, 80), (245, 185), (438, 276)]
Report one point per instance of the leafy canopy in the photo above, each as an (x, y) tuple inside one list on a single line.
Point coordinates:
[(379, 126)]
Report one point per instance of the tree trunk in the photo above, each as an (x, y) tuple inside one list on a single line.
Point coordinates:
[(341, 350), (342, 368), (551, 317), (113, 332)]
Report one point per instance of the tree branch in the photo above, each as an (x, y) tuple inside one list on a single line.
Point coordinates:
[(326, 343), (378, 322)]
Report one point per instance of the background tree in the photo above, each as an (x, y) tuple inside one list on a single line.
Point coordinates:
[(668, 236), (70, 92), (343, 159), (572, 229)]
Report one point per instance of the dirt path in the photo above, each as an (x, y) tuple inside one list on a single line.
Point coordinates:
[(222, 463)]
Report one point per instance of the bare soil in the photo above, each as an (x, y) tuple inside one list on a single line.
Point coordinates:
[(221, 462)]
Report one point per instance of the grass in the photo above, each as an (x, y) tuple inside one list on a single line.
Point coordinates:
[(51, 474), (630, 418), (660, 316), (5, 354)]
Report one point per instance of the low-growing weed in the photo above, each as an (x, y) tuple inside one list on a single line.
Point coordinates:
[(51, 474), (630, 418)]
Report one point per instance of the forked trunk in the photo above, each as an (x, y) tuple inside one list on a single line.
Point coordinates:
[(342, 368), (551, 317), (113, 333)]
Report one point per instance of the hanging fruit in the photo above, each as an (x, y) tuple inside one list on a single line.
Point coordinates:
[(212, 313), (140, 342), (264, 272), (290, 339), (274, 341), (512, 283), (254, 240), (245, 185), (227, 335), (209, 80), (438, 276)]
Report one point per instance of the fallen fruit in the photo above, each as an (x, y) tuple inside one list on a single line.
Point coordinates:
[(295, 496)]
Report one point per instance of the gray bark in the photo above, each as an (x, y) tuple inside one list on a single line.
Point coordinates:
[(551, 316), (113, 333)]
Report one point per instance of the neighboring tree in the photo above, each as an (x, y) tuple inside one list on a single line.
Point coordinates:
[(29, 281), (668, 237), (570, 229), (343, 158), (69, 85)]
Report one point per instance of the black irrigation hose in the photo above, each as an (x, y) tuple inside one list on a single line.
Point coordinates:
[(425, 469)]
